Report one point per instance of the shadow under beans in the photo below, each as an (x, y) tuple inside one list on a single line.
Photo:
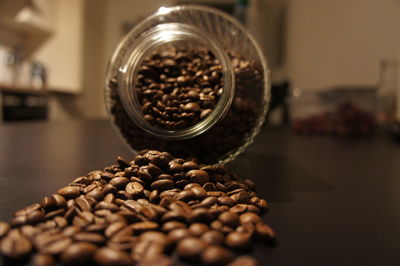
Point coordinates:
[(277, 177)]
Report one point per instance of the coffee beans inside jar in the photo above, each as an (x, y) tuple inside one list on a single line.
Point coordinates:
[(179, 88), (142, 212)]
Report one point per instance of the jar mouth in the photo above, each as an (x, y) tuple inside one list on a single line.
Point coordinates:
[(160, 36)]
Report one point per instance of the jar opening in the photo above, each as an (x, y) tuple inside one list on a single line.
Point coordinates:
[(177, 82)]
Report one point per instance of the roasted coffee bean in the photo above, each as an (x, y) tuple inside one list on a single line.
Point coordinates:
[(163, 184), (200, 215), (172, 225), (198, 229), (224, 200), (55, 246), (229, 218), (69, 192), (238, 241), (143, 227), (186, 195), (209, 201), (244, 261), (134, 189), (156, 237), (246, 228), (249, 217), (111, 257), (83, 219), (83, 204), (42, 260), (198, 176), (104, 205), (191, 248), (119, 182), (97, 194), (239, 208), (15, 245), (216, 255), (265, 234), (199, 192), (213, 237), (4, 228), (114, 229), (94, 238), (178, 234), (122, 242), (18, 221), (78, 253), (27, 210), (48, 204)]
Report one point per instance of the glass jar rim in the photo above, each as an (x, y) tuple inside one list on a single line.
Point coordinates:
[(164, 34)]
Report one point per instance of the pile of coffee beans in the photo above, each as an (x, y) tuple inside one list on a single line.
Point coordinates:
[(178, 89), (141, 212)]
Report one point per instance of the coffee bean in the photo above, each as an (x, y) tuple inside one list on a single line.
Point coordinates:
[(224, 200), (143, 227), (94, 238), (229, 218), (186, 195), (213, 237), (198, 229), (191, 248), (15, 245), (69, 192), (198, 176), (238, 241), (78, 253), (216, 255), (200, 215), (104, 205), (110, 257), (244, 261), (122, 242), (265, 234), (114, 229), (178, 234), (56, 247), (163, 184), (155, 237), (119, 182), (249, 217), (172, 225)]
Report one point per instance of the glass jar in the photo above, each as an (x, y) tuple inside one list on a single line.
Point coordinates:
[(189, 80)]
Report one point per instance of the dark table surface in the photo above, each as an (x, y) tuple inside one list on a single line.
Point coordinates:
[(333, 201)]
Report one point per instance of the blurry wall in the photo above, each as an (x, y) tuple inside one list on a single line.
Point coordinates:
[(340, 42)]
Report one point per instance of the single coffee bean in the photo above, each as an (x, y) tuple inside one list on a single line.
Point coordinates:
[(209, 201), (198, 229), (57, 246), (265, 234), (163, 184), (134, 189), (191, 248), (200, 215), (244, 261), (199, 192), (178, 234), (238, 241), (15, 245), (156, 237), (4, 229), (143, 227), (104, 205), (122, 242), (110, 257), (42, 260), (94, 238), (229, 218), (216, 255), (186, 195), (249, 217), (213, 237), (69, 192), (198, 176), (224, 200), (119, 182), (114, 228), (172, 225), (78, 253)]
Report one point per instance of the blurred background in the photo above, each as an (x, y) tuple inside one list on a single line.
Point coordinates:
[(334, 64)]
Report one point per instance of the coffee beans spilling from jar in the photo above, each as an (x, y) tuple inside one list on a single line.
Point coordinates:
[(181, 89), (141, 212), (177, 89)]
